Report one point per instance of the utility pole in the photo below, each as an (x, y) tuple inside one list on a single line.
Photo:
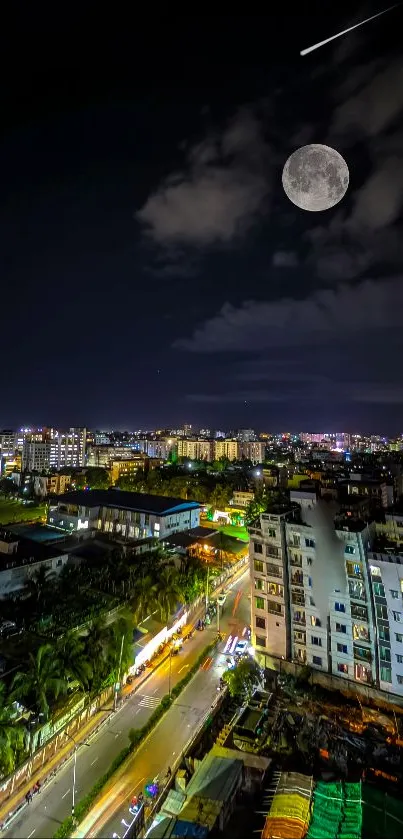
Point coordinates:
[(218, 617), (207, 586), (73, 801), (115, 701), (170, 672)]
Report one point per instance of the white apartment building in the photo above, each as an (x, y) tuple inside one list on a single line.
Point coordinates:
[(68, 448), (320, 597), (132, 515), (386, 574), (36, 455), (50, 449), (196, 449)]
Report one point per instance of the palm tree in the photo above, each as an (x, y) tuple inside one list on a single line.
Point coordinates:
[(38, 584), (73, 659), (40, 680), (169, 592), (11, 735), (145, 596), (95, 644), (95, 639), (120, 646)]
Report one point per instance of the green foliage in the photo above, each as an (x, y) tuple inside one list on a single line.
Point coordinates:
[(11, 735), (169, 592), (40, 681), (254, 509), (243, 679), (136, 737), (98, 478)]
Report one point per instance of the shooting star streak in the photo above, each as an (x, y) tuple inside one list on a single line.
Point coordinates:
[(345, 31)]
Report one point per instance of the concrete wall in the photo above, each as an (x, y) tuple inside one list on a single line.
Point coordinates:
[(368, 695)]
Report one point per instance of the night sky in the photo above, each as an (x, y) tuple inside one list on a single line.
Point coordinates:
[(154, 272)]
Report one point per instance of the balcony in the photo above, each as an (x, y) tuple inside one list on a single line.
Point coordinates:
[(299, 619), (296, 561), (362, 654), (297, 599), (274, 571)]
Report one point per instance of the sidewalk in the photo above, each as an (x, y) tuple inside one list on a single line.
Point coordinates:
[(47, 773)]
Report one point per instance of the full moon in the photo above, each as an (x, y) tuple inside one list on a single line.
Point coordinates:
[(315, 177)]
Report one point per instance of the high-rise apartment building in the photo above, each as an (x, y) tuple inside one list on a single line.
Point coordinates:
[(50, 449), (254, 451), (68, 448), (322, 597), (36, 455), (229, 449), (196, 449)]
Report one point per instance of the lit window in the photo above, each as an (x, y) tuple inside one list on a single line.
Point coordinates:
[(375, 571), (259, 602), (349, 549), (386, 674), (342, 668)]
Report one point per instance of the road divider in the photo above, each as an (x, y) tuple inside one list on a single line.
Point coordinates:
[(136, 738)]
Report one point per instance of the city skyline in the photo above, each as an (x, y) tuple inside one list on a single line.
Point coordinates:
[(161, 270)]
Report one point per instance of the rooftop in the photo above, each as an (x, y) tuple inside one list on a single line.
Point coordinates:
[(26, 552), (215, 778), (135, 501)]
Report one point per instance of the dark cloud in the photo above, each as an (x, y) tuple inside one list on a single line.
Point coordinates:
[(285, 259), (328, 314), (219, 192)]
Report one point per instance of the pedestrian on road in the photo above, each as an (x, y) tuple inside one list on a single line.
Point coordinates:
[(169, 772)]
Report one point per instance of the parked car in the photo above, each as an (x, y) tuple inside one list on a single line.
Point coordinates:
[(8, 628)]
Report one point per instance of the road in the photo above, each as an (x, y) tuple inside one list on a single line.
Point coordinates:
[(47, 810)]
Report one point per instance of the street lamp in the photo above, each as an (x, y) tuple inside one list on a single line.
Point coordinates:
[(117, 684), (170, 671), (73, 802)]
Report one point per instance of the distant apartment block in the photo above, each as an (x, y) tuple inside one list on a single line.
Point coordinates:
[(50, 449), (196, 449), (322, 597), (253, 450), (230, 449)]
